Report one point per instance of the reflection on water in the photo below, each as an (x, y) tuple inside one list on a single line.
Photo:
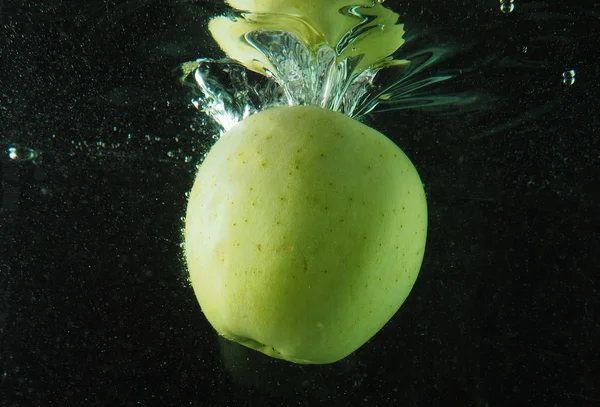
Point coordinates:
[(356, 75)]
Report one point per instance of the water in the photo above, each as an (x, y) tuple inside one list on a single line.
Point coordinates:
[(444, 70), (427, 69), (95, 305)]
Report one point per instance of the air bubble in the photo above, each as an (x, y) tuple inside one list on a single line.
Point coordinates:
[(568, 77), (507, 6)]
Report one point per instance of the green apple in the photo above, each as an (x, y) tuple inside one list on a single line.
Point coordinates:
[(305, 232)]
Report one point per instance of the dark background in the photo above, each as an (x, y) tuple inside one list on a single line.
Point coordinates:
[(95, 308)]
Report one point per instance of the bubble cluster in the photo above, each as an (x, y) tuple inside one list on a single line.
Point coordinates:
[(20, 153)]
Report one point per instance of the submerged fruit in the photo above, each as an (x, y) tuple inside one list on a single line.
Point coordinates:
[(305, 232)]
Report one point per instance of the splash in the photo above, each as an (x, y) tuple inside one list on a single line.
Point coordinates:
[(280, 59)]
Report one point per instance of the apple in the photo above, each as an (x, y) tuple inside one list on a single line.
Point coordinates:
[(305, 231)]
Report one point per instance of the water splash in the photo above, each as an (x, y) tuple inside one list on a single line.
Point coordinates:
[(332, 76), (225, 94), (228, 93)]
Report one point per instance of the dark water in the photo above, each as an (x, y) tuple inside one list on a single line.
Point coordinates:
[(99, 144)]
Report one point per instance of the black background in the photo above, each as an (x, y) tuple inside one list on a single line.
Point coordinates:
[(95, 308)]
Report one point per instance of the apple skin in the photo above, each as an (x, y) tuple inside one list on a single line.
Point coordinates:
[(305, 232)]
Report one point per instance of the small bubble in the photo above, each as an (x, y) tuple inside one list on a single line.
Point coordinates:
[(507, 6), (568, 77)]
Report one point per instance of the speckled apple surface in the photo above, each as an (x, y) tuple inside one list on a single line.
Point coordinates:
[(305, 232)]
